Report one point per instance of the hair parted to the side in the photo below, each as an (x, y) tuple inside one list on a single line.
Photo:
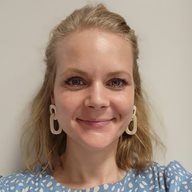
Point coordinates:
[(43, 147)]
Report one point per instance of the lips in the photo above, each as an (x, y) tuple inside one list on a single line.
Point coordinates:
[(98, 123)]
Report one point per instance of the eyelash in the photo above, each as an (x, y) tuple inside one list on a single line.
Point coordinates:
[(78, 83), (121, 83), (70, 82)]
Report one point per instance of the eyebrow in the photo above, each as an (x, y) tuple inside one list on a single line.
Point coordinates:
[(119, 73), (74, 70), (114, 73)]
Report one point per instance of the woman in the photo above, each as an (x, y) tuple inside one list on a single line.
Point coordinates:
[(89, 121)]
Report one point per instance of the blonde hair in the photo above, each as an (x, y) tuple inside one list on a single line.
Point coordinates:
[(45, 148)]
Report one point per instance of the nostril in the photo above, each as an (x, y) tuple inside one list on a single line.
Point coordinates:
[(97, 107), (90, 106)]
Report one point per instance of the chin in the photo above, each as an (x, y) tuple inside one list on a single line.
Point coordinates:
[(99, 144)]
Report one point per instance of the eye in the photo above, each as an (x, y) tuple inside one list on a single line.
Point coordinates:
[(75, 82), (117, 83)]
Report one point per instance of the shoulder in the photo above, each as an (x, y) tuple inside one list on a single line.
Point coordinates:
[(177, 178), (23, 180), (173, 171), (172, 177)]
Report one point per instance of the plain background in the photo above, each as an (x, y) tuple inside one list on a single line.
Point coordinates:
[(164, 28)]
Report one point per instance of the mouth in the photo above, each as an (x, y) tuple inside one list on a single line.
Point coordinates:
[(98, 123)]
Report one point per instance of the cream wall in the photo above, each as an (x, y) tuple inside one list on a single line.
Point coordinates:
[(164, 29)]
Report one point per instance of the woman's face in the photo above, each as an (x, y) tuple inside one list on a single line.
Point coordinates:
[(94, 88)]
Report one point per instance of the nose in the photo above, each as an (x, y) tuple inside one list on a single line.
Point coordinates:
[(97, 97)]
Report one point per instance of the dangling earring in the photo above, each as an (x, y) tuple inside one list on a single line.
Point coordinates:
[(134, 123), (52, 109)]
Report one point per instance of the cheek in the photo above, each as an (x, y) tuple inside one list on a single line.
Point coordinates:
[(66, 105), (124, 105)]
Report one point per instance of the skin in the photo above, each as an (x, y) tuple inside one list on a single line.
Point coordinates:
[(94, 98)]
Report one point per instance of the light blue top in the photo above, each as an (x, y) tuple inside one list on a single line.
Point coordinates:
[(156, 178)]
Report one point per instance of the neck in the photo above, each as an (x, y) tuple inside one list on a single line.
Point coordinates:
[(82, 168)]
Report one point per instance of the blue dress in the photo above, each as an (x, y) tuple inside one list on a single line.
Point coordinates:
[(156, 178)]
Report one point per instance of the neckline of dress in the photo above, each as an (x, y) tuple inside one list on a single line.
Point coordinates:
[(105, 185)]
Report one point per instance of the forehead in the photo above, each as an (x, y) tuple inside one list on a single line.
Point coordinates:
[(93, 46)]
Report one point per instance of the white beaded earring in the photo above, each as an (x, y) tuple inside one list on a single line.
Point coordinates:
[(52, 109), (134, 122)]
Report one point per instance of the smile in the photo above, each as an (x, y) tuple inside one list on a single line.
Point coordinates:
[(95, 123)]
